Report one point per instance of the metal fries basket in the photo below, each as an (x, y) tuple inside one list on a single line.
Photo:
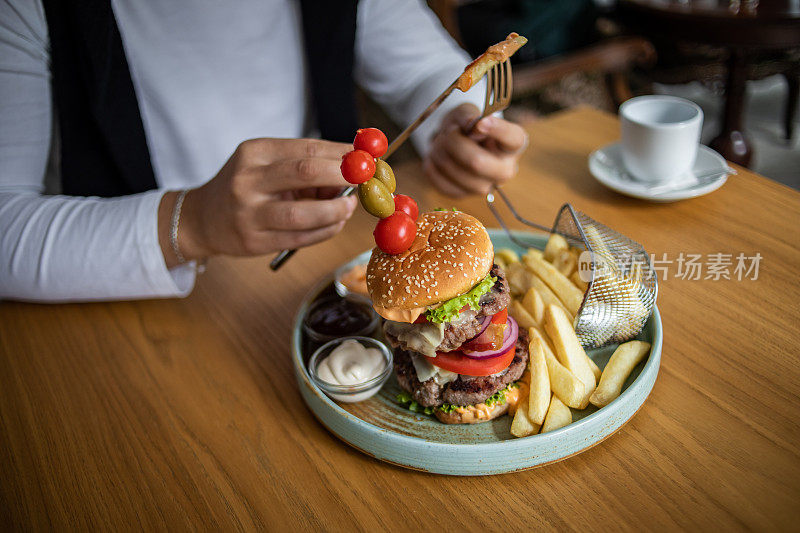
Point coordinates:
[(622, 285)]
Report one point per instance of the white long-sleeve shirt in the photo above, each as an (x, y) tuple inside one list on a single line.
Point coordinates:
[(207, 75)]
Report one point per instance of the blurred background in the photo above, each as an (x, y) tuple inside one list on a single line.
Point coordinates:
[(739, 60)]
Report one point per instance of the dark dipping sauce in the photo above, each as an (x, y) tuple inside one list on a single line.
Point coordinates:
[(338, 317)]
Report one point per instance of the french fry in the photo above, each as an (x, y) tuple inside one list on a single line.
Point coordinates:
[(569, 295), (518, 278), (619, 367), (563, 383), (521, 315), (541, 334), (555, 244), (539, 393), (534, 304), (565, 262), (521, 426), (548, 296), (617, 286), (595, 369), (635, 274), (558, 416), (596, 240), (601, 255), (506, 255), (569, 351), (533, 253), (575, 278)]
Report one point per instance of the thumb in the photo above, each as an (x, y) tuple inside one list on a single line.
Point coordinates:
[(463, 116)]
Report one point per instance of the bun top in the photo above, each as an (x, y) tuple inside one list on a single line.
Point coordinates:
[(451, 253)]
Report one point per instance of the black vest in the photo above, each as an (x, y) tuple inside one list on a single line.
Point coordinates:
[(103, 147)]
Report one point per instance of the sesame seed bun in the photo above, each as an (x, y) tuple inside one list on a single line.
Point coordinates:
[(451, 253)]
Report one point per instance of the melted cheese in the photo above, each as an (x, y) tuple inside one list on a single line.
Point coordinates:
[(422, 338), (426, 371)]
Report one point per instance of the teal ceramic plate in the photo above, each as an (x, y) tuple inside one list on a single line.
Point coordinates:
[(385, 430)]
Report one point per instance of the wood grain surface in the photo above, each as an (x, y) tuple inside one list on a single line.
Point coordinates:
[(184, 414)]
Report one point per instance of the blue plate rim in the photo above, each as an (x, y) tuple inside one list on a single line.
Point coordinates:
[(654, 359)]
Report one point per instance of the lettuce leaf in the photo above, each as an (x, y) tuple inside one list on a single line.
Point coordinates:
[(449, 310), (407, 400)]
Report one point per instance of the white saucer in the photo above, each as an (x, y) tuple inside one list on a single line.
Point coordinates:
[(606, 166)]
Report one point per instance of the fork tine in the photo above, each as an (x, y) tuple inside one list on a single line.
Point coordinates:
[(509, 84), (501, 86), (497, 77), (487, 101)]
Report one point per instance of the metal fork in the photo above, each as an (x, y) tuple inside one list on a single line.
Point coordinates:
[(498, 91)]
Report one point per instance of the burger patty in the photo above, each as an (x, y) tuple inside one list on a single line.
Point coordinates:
[(465, 390), (494, 301), (468, 325)]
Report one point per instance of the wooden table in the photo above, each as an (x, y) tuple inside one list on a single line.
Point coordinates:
[(185, 413)]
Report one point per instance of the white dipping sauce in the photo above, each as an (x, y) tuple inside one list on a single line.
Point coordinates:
[(351, 363)]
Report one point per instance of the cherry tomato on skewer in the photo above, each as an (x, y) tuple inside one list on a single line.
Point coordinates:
[(357, 166), (407, 205), (395, 233), (371, 140)]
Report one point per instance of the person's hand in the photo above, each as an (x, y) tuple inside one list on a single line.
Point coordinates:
[(459, 164), (271, 194)]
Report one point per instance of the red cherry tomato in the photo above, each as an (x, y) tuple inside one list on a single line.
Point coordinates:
[(371, 140), (395, 233), (407, 205), (501, 317), (461, 364), (357, 166)]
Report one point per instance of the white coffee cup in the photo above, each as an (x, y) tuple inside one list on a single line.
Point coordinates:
[(660, 136)]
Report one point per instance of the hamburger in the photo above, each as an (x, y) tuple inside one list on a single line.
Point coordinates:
[(457, 353)]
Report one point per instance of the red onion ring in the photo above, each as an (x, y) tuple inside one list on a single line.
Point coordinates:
[(485, 324), (509, 340)]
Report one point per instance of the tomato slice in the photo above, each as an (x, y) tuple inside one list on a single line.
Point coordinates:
[(490, 339), (492, 336), (461, 364), (501, 317)]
